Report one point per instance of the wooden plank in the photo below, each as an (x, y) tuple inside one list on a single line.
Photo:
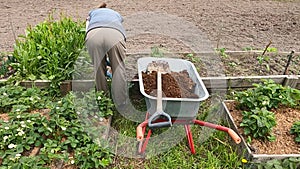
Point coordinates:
[(212, 84), (211, 52), (238, 82), (298, 83), (291, 81), (37, 83), (82, 85)]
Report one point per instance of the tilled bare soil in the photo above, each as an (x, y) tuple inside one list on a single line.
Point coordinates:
[(232, 24)]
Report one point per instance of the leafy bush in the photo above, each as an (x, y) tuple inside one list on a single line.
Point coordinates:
[(295, 130), (49, 50), (258, 123), (267, 94)]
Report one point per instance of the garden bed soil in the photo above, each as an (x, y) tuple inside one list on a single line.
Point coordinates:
[(234, 64), (256, 64), (284, 143)]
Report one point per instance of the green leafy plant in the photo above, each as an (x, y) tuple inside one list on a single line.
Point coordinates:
[(194, 59), (295, 130), (267, 94), (91, 156), (264, 59), (157, 52), (222, 52), (286, 163), (19, 99), (258, 123), (49, 50), (53, 126), (232, 64), (5, 68), (272, 49)]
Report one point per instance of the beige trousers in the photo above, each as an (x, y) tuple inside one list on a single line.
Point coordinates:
[(108, 42)]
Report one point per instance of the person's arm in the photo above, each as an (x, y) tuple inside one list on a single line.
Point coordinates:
[(87, 23)]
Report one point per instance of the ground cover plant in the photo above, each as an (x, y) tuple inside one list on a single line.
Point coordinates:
[(38, 131)]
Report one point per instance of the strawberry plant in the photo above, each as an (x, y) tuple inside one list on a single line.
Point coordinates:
[(59, 131), (267, 95), (258, 123), (295, 130), (285, 163), (28, 99)]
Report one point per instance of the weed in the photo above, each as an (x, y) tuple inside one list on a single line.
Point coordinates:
[(194, 59)]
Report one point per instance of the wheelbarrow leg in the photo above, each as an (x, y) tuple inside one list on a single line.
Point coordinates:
[(143, 144), (230, 132), (189, 137)]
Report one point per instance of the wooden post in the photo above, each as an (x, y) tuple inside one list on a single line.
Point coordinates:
[(291, 81)]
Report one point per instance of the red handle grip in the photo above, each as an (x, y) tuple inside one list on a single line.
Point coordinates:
[(234, 136)]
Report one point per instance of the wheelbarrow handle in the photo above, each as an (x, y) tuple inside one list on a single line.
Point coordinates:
[(234, 136), (157, 116)]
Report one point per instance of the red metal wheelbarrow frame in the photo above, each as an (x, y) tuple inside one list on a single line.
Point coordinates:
[(141, 129)]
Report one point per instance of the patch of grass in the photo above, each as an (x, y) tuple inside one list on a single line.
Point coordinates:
[(214, 152)]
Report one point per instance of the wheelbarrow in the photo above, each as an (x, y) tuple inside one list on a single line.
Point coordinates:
[(166, 111)]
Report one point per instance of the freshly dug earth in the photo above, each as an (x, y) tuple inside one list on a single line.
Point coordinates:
[(284, 143), (233, 24), (174, 84)]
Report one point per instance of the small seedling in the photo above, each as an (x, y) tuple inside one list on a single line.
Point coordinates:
[(157, 52), (295, 130), (194, 59), (222, 52), (272, 49), (232, 64)]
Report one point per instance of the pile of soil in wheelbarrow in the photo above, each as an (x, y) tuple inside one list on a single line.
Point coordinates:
[(174, 84)]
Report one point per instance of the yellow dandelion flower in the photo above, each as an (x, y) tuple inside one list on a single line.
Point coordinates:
[(244, 161)]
